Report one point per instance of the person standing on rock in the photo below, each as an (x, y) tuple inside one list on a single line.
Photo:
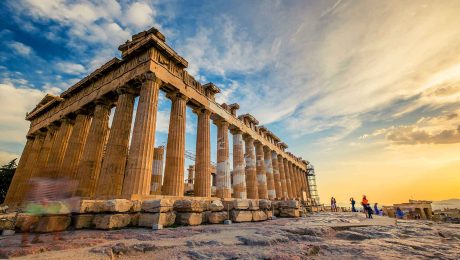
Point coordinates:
[(366, 206), (376, 209), (333, 205), (353, 202), (399, 213)]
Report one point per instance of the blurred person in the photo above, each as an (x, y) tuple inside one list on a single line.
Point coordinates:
[(353, 202), (376, 209), (399, 213)]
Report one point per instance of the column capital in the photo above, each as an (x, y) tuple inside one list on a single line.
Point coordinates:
[(235, 130), (248, 138), (126, 89), (267, 149), (103, 101), (201, 110), (144, 77), (177, 95), (220, 121)]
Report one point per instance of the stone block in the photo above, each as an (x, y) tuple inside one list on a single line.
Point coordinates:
[(82, 221), (241, 216), (156, 206), (189, 218), (164, 219), (258, 215), (253, 204), (137, 206), (216, 205), (269, 214), (240, 204), (117, 205), (91, 206), (265, 204), (134, 219), (205, 216), (7, 221), (289, 213), (109, 221), (290, 204), (54, 223), (276, 212), (217, 217), (26, 221), (190, 205), (228, 204)]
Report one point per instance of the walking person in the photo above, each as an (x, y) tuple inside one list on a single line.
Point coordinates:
[(366, 206), (353, 202)]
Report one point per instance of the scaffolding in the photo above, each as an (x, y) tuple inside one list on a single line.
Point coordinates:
[(312, 184)]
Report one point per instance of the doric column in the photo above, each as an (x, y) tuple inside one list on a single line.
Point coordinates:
[(293, 181), (31, 165), (299, 181), (76, 144), (191, 174), (40, 169), (305, 179), (260, 168), (202, 185), (110, 182), (90, 163), (284, 191), (269, 172), (18, 176), (239, 179), (58, 148), (224, 185), (157, 171), (138, 173), (276, 175), (288, 178), (175, 151), (250, 170)]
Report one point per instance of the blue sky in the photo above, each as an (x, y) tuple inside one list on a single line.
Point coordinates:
[(368, 91)]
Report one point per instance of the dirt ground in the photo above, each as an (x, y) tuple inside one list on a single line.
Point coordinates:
[(318, 236)]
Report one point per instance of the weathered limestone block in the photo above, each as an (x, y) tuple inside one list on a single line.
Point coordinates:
[(290, 204), (241, 216), (91, 206), (134, 219), (7, 221), (253, 204), (216, 205), (205, 216), (109, 221), (228, 204), (189, 218), (118, 205), (258, 215), (24, 220), (265, 204), (164, 219), (191, 205), (156, 206), (53, 223), (289, 213), (217, 217), (137, 206), (269, 214), (240, 204), (98, 206), (82, 221)]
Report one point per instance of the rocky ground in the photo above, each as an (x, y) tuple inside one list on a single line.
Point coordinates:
[(319, 236)]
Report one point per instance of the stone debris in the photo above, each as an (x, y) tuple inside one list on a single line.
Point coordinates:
[(110, 221), (189, 218), (216, 205), (82, 221), (155, 206), (217, 217), (165, 219), (189, 205), (241, 216), (259, 215)]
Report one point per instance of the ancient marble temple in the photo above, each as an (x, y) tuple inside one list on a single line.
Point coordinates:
[(69, 135)]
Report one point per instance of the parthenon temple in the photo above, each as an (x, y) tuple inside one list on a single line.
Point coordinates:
[(69, 136)]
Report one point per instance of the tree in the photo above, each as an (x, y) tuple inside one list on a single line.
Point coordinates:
[(6, 176)]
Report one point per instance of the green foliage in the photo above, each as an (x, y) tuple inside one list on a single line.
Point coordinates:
[(6, 175)]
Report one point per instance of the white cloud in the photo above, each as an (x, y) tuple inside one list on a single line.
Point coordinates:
[(20, 48), (140, 15), (70, 68)]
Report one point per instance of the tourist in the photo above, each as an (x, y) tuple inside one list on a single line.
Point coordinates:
[(369, 211), (332, 204), (399, 213), (376, 209), (353, 202), (366, 206)]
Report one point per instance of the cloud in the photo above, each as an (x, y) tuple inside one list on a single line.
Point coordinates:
[(70, 68), (140, 15), (20, 48)]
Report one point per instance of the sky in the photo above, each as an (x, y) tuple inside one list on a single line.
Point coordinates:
[(367, 91)]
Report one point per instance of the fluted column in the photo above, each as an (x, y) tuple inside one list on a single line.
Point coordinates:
[(298, 181), (31, 165), (293, 179), (224, 185), (90, 164), (18, 176), (239, 179), (305, 179), (250, 169), (260, 168), (40, 169), (110, 182), (138, 173), (288, 178), (175, 151), (157, 171), (276, 175), (76, 144), (202, 185), (269, 172), (284, 191), (301, 180), (58, 148)]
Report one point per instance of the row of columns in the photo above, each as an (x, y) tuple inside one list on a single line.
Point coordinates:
[(82, 147)]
